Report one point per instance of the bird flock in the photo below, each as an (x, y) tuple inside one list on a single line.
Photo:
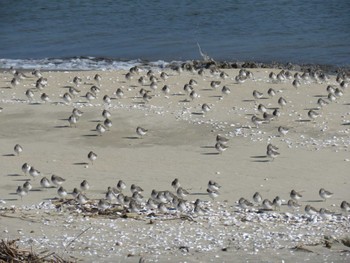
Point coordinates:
[(147, 89)]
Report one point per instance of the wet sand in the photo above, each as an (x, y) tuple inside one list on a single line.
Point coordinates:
[(179, 144)]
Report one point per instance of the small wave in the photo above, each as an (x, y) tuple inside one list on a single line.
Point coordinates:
[(78, 63)]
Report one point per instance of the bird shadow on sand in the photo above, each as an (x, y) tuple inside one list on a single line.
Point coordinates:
[(95, 121), (314, 201), (131, 137), (14, 175), (258, 156), (34, 103), (185, 100), (303, 120), (80, 163), (178, 94), (90, 135), (215, 96), (210, 153), (320, 96), (260, 159), (208, 147), (345, 124), (9, 155), (21, 180), (312, 108), (207, 89), (248, 100), (61, 126), (197, 113), (198, 194), (10, 199)]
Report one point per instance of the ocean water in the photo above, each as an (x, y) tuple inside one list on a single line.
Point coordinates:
[(35, 32)]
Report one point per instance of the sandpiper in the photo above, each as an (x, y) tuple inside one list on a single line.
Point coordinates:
[(14, 82), (292, 204), (135, 188), (82, 199), (188, 88), (146, 98), (257, 197), (277, 202), (84, 185), (296, 83), (273, 76), (106, 114), (310, 210), (331, 97), (324, 194), (312, 114), (326, 214), (121, 185), (142, 81), (107, 123), (18, 149), (213, 185), (92, 157), (257, 121), (100, 128), (30, 94), (205, 107), (162, 208), (73, 120), (67, 98), (272, 154), (57, 180), (25, 168), (282, 102), (164, 76), (345, 206), (98, 78), (77, 80), (295, 195), (267, 204), (257, 95), (34, 172), (244, 203), (321, 102), (153, 86), (261, 108), (212, 193), (271, 92), (44, 182), (223, 75), (76, 112), (119, 93), (141, 131), (220, 147), (270, 146), (221, 139), (73, 91), (62, 192), (193, 95), (166, 90), (181, 193), (90, 96), (21, 192), (106, 99), (283, 130), (175, 184), (44, 97), (103, 204), (27, 186), (225, 90)]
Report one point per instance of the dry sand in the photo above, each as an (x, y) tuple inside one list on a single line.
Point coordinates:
[(179, 144)]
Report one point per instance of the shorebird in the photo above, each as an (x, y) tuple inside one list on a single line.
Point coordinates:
[(225, 90), (331, 97), (164, 76), (223, 75), (30, 94), (273, 76), (261, 108), (121, 185), (283, 130), (267, 204), (213, 185), (221, 139), (129, 76), (292, 204), (345, 206), (296, 83), (205, 107), (166, 90), (321, 102), (270, 146), (181, 193), (77, 80), (277, 202), (62, 192), (324, 194), (142, 81), (271, 92), (188, 88), (212, 193), (34, 172), (244, 203), (175, 184), (27, 186), (106, 114), (257, 197), (146, 98), (135, 188), (21, 192), (192, 82), (73, 120), (84, 186), (98, 78), (100, 128), (25, 168), (67, 98), (92, 157), (45, 183), (153, 86), (77, 113), (141, 131), (312, 114), (282, 102), (119, 93), (90, 96), (73, 91), (272, 154), (193, 95), (107, 123), (310, 210), (295, 195), (220, 147), (106, 99), (44, 97), (326, 214), (257, 95), (57, 180), (82, 199), (14, 82), (257, 121), (103, 204), (18, 149)]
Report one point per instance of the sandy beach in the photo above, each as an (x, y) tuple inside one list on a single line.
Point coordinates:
[(180, 143)]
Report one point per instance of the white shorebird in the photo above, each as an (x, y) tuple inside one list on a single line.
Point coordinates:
[(18, 149), (57, 180), (141, 131), (92, 157), (324, 194)]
